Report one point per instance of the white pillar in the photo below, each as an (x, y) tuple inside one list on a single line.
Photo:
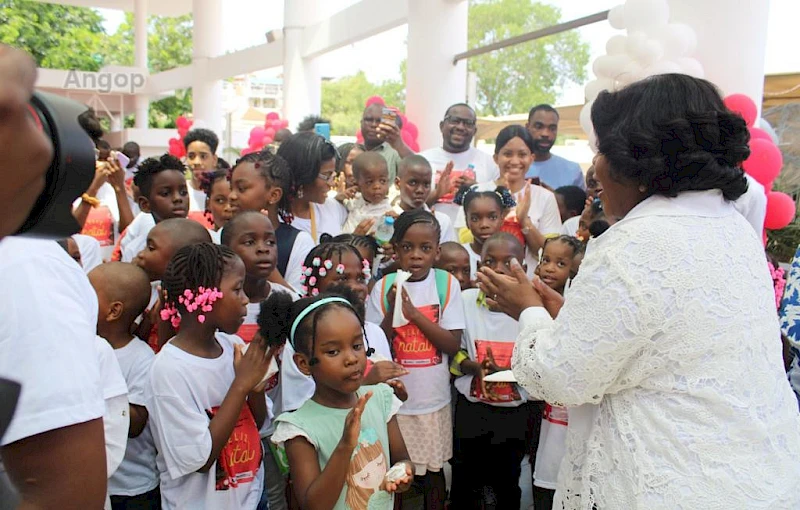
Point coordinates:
[(302, 82), (140, 58), (207, 40), (731, 41), (437, 31), (116, 122)]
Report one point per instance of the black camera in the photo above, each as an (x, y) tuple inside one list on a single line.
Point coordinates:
[(71, 171)]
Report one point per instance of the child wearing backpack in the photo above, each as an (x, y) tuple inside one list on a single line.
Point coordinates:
[(434, 319)]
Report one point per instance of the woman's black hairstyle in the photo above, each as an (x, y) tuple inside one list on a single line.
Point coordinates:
[(466, 194), (305, 153), (206, 136), (344, 151), (195, 266), (672, 133), (413, 217), (323, 252), (150, 167), (510, 132), (354, 240), (278, 313), (276, 172)]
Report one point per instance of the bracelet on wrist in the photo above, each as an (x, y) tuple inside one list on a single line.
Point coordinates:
[(93, 201)]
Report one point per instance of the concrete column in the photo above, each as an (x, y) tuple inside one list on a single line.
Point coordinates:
[(437, 31), (140, 58), (207, 40), (732, 47), (302, 83)]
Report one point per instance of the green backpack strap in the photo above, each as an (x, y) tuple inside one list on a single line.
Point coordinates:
[(443, 283)]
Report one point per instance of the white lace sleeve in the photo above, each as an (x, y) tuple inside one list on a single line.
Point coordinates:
[(581, 355), (285, 431)]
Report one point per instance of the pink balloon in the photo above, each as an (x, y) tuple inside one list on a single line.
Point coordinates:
[(412, 129), (273, 116), (266, 140), (375, 100), (270, 132), (182, 122), (765, 161), (781, 210), (759, 134), (246, 151), (359, 137), (182, 132), (744, 106), (176, 148), (257, 132), (284, 123), (414, 146)]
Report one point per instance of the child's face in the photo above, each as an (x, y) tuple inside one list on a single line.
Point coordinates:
[(169, 196), (497, 256), (200, 159), (229, 311), (219, 204), (373, 182), (414, 186), (562, 207), (256, 244), (341, 352), (418, 250), (556, 265), (250, 190), (456, 262), (348, 166), (352, 276), (155, 256), (484, 218)]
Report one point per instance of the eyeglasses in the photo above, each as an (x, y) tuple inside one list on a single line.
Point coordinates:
[(330, 178), (454, 121)]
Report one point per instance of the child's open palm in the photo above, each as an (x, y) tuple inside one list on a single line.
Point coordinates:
[(352, 424)]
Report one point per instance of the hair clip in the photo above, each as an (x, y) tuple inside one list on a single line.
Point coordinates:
[(328, 264), (304, 290), (340, 269), (315, 292), (322, 271), (312, 281), (308, 271), (316, 262)]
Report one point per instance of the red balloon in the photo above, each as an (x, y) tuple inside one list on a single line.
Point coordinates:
[(270, 132), (273, 116), (764, 238), (414, 146), (759, 134), (266, 140), (359, 137), (182, 122), (765, 161), (246, 151), (284, 124), (375, 100), (257, 132), (744, 106), (412, 129), (781, 210)]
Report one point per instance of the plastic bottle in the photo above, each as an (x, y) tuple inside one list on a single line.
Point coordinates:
[(385, 231)]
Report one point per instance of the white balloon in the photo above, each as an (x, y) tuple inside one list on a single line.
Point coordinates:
[(630, 73), (616, 45), (594, 87), (766, 126), (592, 141), (691, 66), (662, 67), (677, 39), (641, 14), (616, 17), (643, 49), (609, 66), (585, 118)]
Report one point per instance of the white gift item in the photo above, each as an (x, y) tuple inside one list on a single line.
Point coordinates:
[(502, 376), (398, 320), (273, 365), (397, 472)]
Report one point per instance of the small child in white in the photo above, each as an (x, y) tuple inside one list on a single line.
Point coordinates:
[(372, 178)]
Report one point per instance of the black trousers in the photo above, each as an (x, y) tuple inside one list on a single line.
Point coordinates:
[(147, 501), (489, 445)]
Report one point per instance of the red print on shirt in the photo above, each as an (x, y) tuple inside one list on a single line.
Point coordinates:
[(411, 348), (240, 458)]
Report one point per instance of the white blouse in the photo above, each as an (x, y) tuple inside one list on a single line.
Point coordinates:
[(668, 353)]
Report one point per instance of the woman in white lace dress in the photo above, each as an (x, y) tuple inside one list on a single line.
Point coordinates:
[(667, 349)]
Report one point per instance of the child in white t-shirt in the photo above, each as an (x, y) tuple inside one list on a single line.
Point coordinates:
[(491, 418), (456, 260), (123, 291), (559, 263), (209, 450), (372, 201), (433, 319), (218, 210)]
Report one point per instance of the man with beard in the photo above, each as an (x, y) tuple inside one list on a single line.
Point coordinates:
[(470, 165), (553, 171), (383, 138)]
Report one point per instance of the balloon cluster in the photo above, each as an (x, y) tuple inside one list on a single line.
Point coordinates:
[(409, 132), (261, 136), (176, 147), (652, 46), (764, 164)]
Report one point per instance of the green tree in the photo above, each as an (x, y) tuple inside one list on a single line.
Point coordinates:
[(513, 79), (343, 99), (58, 36), (169, 45)]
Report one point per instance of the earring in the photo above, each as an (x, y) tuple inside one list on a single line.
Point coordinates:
[(642, 189), (300, 192)]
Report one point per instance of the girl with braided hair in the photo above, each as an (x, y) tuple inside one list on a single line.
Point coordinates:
[(218, 210), (209, 452)]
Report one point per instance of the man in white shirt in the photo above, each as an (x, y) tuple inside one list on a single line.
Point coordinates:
[(470, 165)]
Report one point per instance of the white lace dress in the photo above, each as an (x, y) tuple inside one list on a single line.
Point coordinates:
[(668, 354)]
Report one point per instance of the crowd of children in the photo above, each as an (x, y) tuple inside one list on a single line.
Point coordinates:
[(363, 365)]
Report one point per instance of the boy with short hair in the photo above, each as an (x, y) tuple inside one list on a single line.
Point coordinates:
[(201, 148), (123, 291), (371, 174), (454, 259), (414, 176)]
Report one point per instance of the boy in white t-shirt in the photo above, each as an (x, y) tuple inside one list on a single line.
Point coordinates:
[(123, 291), (414, 176)]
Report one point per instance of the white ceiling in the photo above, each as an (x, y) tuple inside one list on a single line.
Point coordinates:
[(161, 8)]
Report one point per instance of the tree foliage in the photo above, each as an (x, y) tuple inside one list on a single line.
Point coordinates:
[(513, 79)]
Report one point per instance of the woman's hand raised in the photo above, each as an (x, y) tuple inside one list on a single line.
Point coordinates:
[(511, 294)]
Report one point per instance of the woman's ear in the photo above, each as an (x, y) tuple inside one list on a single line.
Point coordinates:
[(302, 362)]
